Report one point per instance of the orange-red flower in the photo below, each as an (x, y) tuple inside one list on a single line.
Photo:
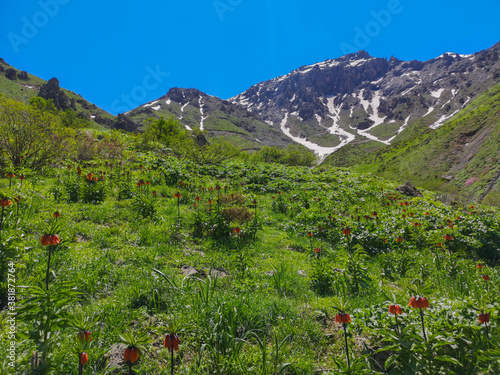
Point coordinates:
[(346, 231), (448, 237), (11, 175), (84, 336), (484, 318), (485, 277), (309, 234), (395, 309), (420, 302), (131, 354), (317, 250), (342, 318), (237, 230), (49, 239), (399, 239), (84, 358), (4, 202), (479, 266), (90, 176), (171, 341), (177, 195), (21, 177), (56, 214)]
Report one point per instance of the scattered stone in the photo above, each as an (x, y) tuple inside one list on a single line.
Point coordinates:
[(447, 178), (113, 360), (409, 190), (219, 272), (188, 270)]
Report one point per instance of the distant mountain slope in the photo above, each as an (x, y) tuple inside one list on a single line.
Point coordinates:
[(218, 117), (22, 86), (464, 153), (329, 105)]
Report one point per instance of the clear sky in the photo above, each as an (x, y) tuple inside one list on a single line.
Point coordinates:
[(105, 49)]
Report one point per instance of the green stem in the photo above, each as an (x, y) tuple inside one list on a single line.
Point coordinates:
[(48, 269), (1, 222), (346, 346), (80, 367), (423, 326), (172, 359), (397, 326)]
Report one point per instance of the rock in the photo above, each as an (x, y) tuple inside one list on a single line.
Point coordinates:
[(11, 74), (301, 273), (114, 358), (219, 272), (51, 90), (188, 270), (23, 76), (409, 190), (125, 123)]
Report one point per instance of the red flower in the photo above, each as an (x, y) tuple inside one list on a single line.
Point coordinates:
[(420, 302), (170, 341), (399, 239), (84, 358), (484, 318), (342, 318), (49, 239), (131, 354), (447, 237), (21, 177), (479, 266), (56, 214), (4, 202), (237, 230), (317, 250), (395, 309), (346, 231), (309, 234), (177, 195), (11, 175), (485, 277), (90, 176), (84, 336)]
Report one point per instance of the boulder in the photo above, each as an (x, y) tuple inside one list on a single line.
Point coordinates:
[(11, 74), (409, 190), (23, 75), (51, 90)]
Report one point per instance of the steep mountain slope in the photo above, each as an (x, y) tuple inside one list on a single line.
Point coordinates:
[(22, 86), (463, 154), (359, 98), (218, 117)]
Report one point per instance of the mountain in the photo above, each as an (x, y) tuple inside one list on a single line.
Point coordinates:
[(367, 101), (220, 118), (22, 86), (461, 156)]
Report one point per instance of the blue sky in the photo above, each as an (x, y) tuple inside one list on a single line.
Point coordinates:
[(106, 50)]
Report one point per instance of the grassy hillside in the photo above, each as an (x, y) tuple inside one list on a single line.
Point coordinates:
[(461, 156), (24, 90), (251, 265)]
